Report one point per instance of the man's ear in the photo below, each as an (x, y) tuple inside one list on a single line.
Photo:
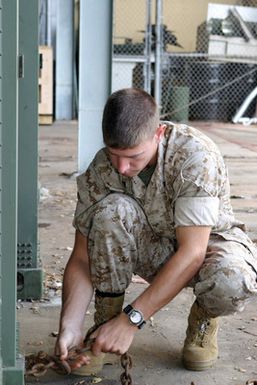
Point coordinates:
[(160, 131)]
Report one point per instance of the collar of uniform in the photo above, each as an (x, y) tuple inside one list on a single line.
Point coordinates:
[(135, 186)]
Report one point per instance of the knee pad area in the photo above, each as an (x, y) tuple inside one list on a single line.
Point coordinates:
[(226, 291), (116, 209)]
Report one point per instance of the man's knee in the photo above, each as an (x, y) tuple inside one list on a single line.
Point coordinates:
[(227, 290), (115, 209)]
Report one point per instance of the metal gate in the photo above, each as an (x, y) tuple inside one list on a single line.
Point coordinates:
[(200, 62)]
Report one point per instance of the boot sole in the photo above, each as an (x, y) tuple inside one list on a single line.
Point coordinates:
[(199, 366)]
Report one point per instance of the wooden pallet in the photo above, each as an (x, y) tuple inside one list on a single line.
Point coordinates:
[(45, 84)]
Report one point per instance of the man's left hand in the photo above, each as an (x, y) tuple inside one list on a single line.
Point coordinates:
[(115, 336)]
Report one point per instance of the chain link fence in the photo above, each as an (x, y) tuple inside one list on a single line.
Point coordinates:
[(208, 56), (129, 49)]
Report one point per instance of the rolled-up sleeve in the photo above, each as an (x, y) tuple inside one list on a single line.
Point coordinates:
[(196, 211), (197, 189)]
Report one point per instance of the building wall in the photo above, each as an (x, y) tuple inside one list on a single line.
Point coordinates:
[(181, 16)]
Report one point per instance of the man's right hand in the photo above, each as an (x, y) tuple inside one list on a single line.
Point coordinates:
[(76, 296), (68, 339)]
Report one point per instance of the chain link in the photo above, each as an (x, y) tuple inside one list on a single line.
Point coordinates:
[(39, 370), (37, 365), (126, 363)]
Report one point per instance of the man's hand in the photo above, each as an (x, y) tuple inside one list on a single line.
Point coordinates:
[(77, 293), (115, 336), (67, 340)]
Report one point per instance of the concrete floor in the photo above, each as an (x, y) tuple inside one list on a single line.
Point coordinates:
[(156, 349)]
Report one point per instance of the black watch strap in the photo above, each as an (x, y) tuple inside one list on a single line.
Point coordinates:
[(128, 309)]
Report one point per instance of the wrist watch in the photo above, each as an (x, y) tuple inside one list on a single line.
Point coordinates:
[(135, 317)]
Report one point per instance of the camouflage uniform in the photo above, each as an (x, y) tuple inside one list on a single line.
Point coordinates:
[(131, 226)]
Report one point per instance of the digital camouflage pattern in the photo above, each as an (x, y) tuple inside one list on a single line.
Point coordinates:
[(131, 227)]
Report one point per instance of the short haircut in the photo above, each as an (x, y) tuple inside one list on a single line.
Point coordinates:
[(130, 116)]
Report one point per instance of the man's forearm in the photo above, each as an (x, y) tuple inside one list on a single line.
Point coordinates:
[(177, 272), (166, 285), (117, 335), (77, 294)]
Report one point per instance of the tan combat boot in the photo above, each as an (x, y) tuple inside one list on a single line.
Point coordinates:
[(200, 348), (105, 309)]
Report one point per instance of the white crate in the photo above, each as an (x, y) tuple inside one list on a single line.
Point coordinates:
[(231, 46)]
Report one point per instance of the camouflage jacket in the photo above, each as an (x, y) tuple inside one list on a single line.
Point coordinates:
[(189, 186)]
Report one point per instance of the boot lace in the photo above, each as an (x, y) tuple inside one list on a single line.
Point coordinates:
[(201, 332)]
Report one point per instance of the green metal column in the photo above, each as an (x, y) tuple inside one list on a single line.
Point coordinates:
[(29, 273), (1, 143), (12, 364)]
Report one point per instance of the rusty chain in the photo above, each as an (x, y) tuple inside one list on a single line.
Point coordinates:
[(126, 363), (37, 365)]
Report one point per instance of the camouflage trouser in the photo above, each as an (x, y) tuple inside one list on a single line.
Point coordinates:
[(121, 242)]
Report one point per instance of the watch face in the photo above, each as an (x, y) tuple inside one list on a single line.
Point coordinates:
[(135, 317)]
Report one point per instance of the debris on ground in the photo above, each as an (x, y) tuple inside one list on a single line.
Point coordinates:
[(241, 370), (96, 380), (44, 193), (35, 309), (54, 334)]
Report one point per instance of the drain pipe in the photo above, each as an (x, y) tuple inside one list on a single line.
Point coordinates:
[(158, 52), (238, 116)]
